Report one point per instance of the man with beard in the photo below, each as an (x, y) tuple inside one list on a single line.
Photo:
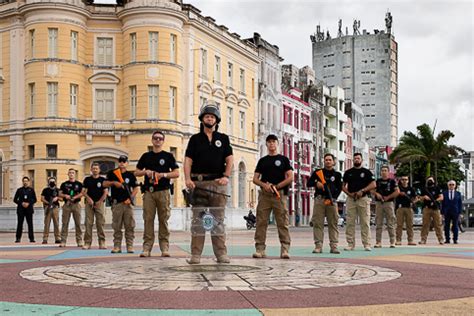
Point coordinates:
[(50, 199), (405, 211), (25, 198), (357, 183), (325, 196), (432, 196), (207, 168), (273, 174), (386, 191)]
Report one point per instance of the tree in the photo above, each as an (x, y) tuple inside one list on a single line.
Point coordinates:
[(425, 151)]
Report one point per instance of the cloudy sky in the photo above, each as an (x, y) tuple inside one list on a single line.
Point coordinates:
[(435, 44)]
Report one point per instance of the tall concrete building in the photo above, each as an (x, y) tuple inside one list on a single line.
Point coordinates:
[(83, 82), (365, 65)]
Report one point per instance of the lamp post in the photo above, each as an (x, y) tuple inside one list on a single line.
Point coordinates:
[(298, 182)]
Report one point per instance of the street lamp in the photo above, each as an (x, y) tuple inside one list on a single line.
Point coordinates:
[(298, 182)]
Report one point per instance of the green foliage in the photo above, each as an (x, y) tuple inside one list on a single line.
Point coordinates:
[(428, 154)]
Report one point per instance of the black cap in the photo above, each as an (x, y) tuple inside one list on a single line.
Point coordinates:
[(271, 137), (123, 158)]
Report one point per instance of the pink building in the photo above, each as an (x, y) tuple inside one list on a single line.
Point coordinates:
[(298, 147)]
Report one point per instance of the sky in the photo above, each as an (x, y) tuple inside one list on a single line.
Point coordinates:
[(435, 46)]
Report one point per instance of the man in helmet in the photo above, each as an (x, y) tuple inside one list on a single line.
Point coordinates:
[(207, 168)]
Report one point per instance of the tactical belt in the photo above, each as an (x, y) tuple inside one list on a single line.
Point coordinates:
[(205, 177)]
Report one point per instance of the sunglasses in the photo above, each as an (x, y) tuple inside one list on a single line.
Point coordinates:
[(158, 138), (122, 161)]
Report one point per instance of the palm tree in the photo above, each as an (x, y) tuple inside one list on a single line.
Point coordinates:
[(423, 146)]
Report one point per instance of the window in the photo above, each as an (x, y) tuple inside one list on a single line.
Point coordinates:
[(204, 62), (31, 151), (52, 98), (32, 43), (104, 51), (104, 110), (52, 43), (230, 75), (217, 70), (133, 102), (173, 48), (51, 173), (74, 45), (133, 47), (51, 151), (230, 119), (297, 120), (242, 80), (153, 46), (32, 97), (31, 175), (153, 101), (341, 145), (242, 124), (173, 97), (73, 93)]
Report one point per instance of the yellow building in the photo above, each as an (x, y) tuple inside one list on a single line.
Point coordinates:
[(82, 83)]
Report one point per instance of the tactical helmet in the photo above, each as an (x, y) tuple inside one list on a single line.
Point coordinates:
[(210, 108)]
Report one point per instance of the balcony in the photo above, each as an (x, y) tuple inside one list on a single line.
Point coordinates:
[(330, 111), (330, 132)]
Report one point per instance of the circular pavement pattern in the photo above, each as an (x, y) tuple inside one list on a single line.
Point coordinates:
[(241, 275)]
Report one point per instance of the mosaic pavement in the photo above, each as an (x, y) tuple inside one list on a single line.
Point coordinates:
[(242, 275)]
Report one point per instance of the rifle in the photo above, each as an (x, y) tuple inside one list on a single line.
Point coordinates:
[(118, 174), (320, 175), (434, 203), (275, 191), (70, 201)]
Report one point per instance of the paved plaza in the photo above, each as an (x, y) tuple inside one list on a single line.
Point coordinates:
[(48, 280)]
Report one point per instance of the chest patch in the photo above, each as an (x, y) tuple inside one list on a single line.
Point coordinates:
[(362, 175), (127, 180), (277, 163), (218, 143), (332, 178), (162, 162), (99, 184)]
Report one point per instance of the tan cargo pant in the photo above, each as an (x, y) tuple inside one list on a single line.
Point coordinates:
[(359, 208), (153, 203), (52, 214), (429, 214), (405, 214), (122, 216), (266, 203), (384, 210), (216, 204), (320, 211), (75, 210), (98, 213)]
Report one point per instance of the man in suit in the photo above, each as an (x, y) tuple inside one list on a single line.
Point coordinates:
[(451, 208)]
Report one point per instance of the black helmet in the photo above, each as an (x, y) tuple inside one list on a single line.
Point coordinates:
[(210, 108)]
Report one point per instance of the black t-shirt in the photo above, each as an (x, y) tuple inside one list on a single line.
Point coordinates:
[(385, 187), (333, 180), (357, 179), (95, 187), (71, 189), (405, 201), (50, 193), (121, 194), (273, 169), (161, 162), (435, 192), (208, 157)]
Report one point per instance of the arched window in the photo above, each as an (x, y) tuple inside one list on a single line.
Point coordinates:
[(242, 184)]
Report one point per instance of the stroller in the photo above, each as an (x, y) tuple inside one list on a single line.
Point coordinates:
[(251, 220)]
